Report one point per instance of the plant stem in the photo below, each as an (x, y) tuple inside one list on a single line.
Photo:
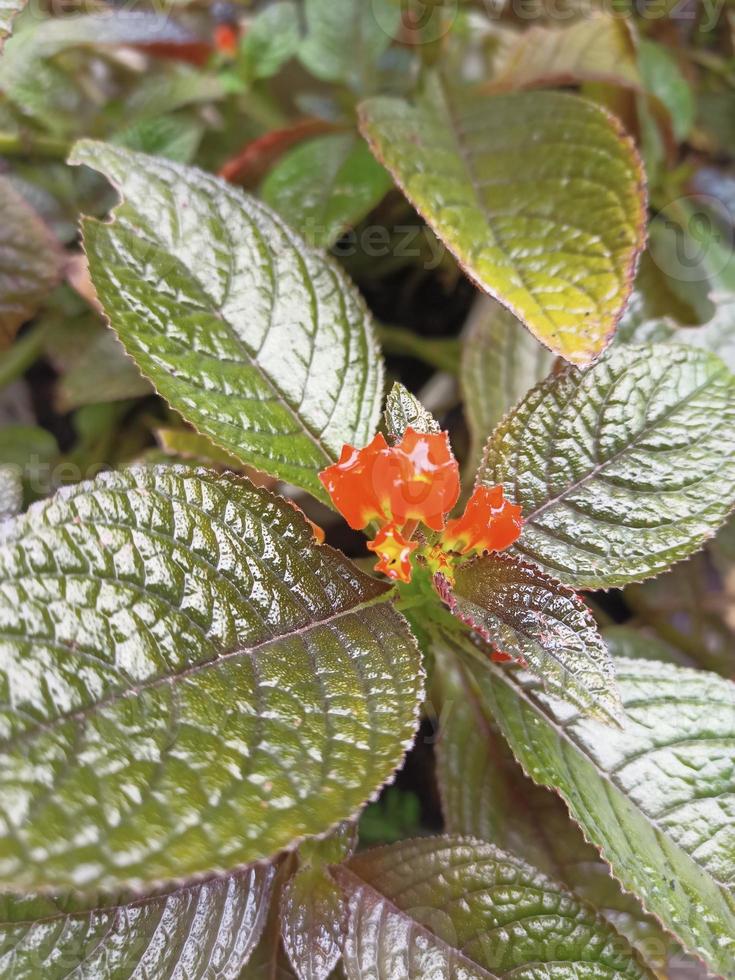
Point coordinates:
[(15, 361), (24, 144)]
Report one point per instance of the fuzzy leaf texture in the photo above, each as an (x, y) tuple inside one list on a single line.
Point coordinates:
[(199, 931), (656, 797), (256, 339), (541, 623), (190, 683), (622, 469), (454, 908), (539, 195)]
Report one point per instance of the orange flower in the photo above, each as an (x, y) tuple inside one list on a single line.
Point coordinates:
[(419, 479), (489, 523), (351, 485), (394, 552), (416, 480)]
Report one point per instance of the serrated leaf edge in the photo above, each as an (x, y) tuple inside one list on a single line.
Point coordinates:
[(629, 273)]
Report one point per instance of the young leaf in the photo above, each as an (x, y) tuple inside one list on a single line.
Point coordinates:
[(597, 48), (190, 682), (500, 363), (453, 907), (313, 909), (540, 622), (622, 469), (539, 195), (211, 927), (344, 41), (656, 797), (256, 339), (325, 186), (485, 794), (404, 410), (30, 262)]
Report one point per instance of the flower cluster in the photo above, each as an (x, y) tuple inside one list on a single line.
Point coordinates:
[(417, 482)]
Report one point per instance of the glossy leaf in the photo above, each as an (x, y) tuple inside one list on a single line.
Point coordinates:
[(11, 491), (30, 262), (500, 362), (596, 48), (200, 931), (190, 682), (538, 194), (656, 797), (404, 410), (344, 41), (485, 794), (591, 454), (538, 622), (257, 340), (313, 909), (454, 908), (325, 186)]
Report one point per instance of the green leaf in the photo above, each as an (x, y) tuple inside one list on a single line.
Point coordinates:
[(597, 48), (24, 73), (500, 362), (656, 797), (173, 137), (190, 683), (11, 491), (550, 227), (313, 909), (256, 339), (30, 262), (662, 77), (485, 794), (9, 9), (689, 607), (539, 622), (92, 363), (635, 644), (271, 39), (622, 469), (344, 41), (325, 186), (452, 907), (404, 410), (211, 927), (397, 814)]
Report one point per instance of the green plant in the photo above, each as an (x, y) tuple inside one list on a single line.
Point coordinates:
[(200, 700)]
